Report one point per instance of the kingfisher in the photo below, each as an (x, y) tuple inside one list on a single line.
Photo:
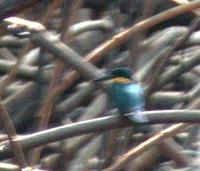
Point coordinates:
[(126, 94)]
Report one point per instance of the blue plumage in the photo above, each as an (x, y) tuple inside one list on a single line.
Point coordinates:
[(128, 98), (126, 95)]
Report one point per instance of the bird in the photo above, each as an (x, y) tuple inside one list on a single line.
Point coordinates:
[(126, 94)]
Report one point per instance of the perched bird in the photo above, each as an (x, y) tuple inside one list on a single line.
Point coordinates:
[(126, 94)]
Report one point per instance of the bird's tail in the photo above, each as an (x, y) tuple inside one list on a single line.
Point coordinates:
[(137, 117)]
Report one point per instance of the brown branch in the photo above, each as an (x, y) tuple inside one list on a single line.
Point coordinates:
[(172, 149), (10, 130), (14, 70), (97, 54), (68, 19), (168, 54), (135, 152), (46, 109), (157, 139), (120, 38), (12, 74), (181, 2)]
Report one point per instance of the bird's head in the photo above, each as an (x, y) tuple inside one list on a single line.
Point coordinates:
[(119, 75)]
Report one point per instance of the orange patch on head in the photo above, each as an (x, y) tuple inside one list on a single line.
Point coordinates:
[(121, 80)]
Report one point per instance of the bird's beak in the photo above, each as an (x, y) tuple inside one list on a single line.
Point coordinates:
[(104, 78)]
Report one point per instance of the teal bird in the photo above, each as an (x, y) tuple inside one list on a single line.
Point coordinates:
[(126, 94)]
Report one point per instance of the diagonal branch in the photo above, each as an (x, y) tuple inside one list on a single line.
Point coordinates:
[(10, 130), (120, 38), (135, 152), (168, 54)]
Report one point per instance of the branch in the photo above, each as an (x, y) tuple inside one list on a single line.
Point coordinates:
[(123, 36), (120, 38), (167, 97), (168, 54), (157, 139), (45, 110), (62, 51), (10, 130), (102, 24), (9, 167), (171, 74), (98, 125), (181, 2), (24, 72), (135, 152)]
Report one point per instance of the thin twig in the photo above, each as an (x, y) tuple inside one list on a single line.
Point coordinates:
[(46, 109), (69, 19), (10, 130), (24, 72), (157, 139), (120, 38), (168, 54), (171, 74), (12, 74), (135, 152)]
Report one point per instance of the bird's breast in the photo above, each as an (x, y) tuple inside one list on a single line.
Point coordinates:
[(127, 96)]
